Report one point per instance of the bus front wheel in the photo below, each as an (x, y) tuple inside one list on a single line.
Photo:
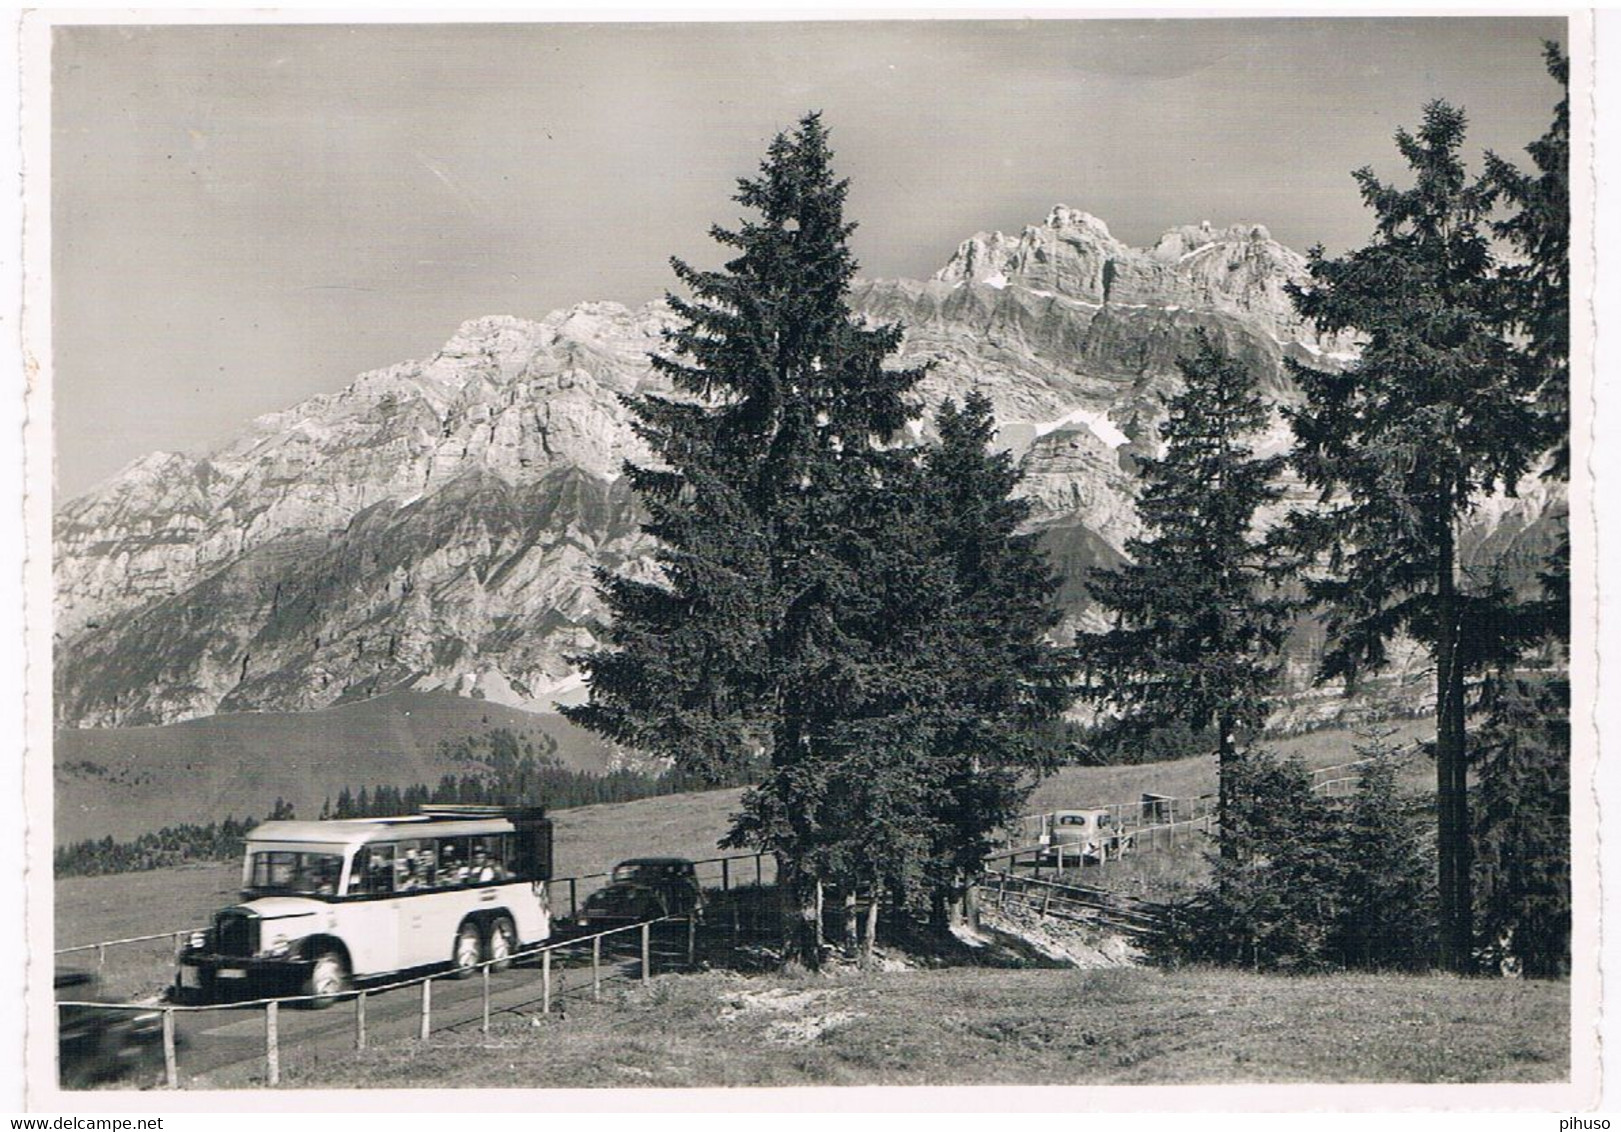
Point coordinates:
[(468, 949), (328, 979)]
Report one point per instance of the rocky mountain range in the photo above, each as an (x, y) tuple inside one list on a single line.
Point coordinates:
[(436, 524)]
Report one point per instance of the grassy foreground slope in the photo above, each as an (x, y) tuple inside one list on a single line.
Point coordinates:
[(978, 1026)]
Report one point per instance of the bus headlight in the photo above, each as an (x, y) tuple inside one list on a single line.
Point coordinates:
[(198, 941)]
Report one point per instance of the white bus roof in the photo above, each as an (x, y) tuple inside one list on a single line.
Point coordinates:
[(356, 831)]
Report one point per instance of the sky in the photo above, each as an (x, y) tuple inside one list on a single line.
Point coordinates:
[(244, 216)]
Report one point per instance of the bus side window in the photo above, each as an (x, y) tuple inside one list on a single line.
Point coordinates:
[(379, 873), (413, 865), (453, 860)]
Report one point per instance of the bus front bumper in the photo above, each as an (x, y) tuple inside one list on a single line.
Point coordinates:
[(220, 973)]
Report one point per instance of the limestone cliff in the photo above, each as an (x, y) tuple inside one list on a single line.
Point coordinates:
[(437, 523)]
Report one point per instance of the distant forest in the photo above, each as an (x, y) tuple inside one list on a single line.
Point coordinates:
[(509, 771)]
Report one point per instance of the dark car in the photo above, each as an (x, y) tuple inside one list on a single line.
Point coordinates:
[(100, 1043), (645, 888)]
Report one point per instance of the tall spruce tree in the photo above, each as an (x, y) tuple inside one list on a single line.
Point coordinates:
[(1434, 415), (1522, 828), (1535, 289), (774, 459), (1001, 677), (1198, 629)]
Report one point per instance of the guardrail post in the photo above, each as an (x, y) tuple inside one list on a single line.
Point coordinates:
[(692, 940), (596, 967), (573, 899), (171, 1074), (427, 1008), (647, 953), (272, 1045), (360, 1020), (546, 981), (101, 956), (759, 875), (484, 1027), (725, 874)]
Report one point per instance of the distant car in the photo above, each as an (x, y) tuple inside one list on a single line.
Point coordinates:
[(645, 888), (99, 1043), (1082, 837)]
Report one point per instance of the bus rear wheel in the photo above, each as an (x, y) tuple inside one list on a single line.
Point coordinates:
[(467, 950), (502, 943), (327, 980)]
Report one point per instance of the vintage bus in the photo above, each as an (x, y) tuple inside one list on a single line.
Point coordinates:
[(325, 903)]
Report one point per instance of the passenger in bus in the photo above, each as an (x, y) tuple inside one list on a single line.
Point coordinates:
[(483, 871), (450, 871), (413, 875)]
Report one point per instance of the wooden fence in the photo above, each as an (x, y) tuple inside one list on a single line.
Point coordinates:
[(1074, 902)]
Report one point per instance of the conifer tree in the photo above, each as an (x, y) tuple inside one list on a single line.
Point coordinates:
[(1004, 679), (1522, 824), (1535, 290), (1434, 415), (1197, 631), (1384, 874), (768, 458)]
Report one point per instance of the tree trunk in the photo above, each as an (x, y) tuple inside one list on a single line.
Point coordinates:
[(957, 909), (939, 917), (800, 935), (821, 921), (1226, 757), (1451, 766), (852, 940), (872, 923)]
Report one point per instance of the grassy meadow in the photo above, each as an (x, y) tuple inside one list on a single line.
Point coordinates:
[(979, 1026)]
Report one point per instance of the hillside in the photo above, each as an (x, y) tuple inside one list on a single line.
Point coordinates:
[(130, 780)]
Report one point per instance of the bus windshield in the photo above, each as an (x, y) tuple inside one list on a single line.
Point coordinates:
[(287, 873)]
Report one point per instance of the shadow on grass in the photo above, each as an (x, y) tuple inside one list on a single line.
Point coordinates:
[(742, 932)]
